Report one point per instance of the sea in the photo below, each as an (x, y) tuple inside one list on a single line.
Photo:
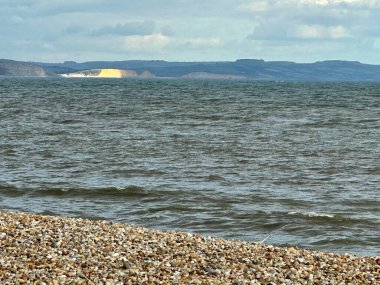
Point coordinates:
[(284, 163)]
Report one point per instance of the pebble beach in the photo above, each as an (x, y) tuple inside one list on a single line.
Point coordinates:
[(38, 249)]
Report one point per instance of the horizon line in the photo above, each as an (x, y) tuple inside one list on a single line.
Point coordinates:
[(194, 61)]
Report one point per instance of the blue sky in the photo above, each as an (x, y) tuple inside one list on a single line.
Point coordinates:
[(190, 30)]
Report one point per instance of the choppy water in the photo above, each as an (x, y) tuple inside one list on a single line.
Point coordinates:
[(299, 161)]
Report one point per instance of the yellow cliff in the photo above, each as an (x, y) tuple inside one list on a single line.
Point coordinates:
[(110, 73), (116, 73)]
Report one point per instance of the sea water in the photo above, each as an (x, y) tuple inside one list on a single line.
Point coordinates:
[(289, 163)]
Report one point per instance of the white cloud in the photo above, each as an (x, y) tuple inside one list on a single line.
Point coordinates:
[(314, 19), (256, 6), (338, 32), (310, 32), (370, 3), (203, 42), (146, 43), (321, 32)]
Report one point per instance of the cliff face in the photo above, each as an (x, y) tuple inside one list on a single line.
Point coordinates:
[(24, 69), (117, 73), (110, 73), (147, 74)]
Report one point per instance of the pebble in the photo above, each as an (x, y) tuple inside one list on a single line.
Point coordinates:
[(37, 249)]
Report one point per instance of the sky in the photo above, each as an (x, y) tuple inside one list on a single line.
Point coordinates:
[(190, 30)]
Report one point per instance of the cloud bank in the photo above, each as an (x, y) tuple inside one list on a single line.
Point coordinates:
[(297, 30)]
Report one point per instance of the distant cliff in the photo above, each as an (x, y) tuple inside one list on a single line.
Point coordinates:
[(250, 69), (24, 69), (109, 73)]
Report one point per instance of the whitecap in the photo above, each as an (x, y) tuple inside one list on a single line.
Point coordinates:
[(311, 214)]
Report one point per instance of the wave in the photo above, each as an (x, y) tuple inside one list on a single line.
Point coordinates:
[(212, 178), (67, 121), (10, 190), (311, 214), (338, 221), (128, 191)]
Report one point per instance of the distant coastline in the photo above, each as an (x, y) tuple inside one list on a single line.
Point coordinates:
[(242, 69)]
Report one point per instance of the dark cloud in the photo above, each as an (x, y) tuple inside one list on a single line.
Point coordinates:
[(126, 29), (73, 29)]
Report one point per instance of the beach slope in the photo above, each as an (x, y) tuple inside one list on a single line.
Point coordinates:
[(38, 249)]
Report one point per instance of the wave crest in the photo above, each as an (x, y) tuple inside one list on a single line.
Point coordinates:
[(312, 214)]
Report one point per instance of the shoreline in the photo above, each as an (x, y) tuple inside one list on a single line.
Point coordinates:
[(60, 250)]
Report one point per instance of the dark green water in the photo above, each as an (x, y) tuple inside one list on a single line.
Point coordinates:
[(299, 161)]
